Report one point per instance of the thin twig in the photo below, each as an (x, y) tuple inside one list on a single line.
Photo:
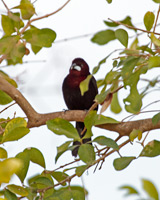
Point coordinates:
[(69, 178), (5, 5), (62, 166), (7, 107), (25, 62), (107, 149), (74, 38), (42, 17), (142, 143), (155, 23), (132, 27), (150, 104), (2, 58), (133, 115)]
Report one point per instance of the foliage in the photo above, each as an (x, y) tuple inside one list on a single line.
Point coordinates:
[(148, 187), (133, 62)]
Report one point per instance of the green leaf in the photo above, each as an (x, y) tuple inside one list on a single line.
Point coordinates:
[(92, 118), (103, 37), (86, 153), (18, 52), (111, 76), (7, 78), (3, 153), (100, 98), (4, 98), (152, 149), (155, 40), (24, 157), (156, 1), (115, 106), (59, 176), (61, 149), (41, 183), (9, 167), (146, 48), (61, 194), (150, 188), (63, 127), (134, 44), (33, 178), (149, 20), (35, 49), (130, 190), (123, 162), (109, 1), (68, 193), (133, 102), (85, 84), (126, 21), (9, 195), (129, 65), (122, 36), (101, 119), (27, 9), (89, 121), (81, 169), (36, 156), (7, 24), (135, 133), (10, 22), (115, 63), (4, 122), (77, 193), (17, 190), (15, 129), (40, 37), (95, 69), (18, 23), (7, 44), (104, 141), (156, 118), (154, 61)]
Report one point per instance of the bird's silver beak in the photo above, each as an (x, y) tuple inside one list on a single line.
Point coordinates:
[(75, 67)]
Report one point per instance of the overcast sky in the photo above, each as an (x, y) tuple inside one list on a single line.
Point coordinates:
[(41, 84)]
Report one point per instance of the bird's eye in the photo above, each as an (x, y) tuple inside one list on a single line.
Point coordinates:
[(76, 67)]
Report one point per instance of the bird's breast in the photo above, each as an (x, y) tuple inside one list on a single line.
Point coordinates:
[(74, 82)]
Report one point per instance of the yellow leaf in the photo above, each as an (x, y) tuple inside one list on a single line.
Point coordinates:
[(9, 167)]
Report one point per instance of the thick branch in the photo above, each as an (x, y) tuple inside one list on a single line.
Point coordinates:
[(19, 98), (36, 119), (125, 128)]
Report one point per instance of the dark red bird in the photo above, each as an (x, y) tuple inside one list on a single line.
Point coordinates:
[(78, 72)]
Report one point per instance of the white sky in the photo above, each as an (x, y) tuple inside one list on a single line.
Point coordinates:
[(42, 87)]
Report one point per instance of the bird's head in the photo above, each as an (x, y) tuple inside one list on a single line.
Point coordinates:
[(79, 67)]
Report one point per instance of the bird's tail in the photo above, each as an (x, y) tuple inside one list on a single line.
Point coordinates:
[(80, 127)]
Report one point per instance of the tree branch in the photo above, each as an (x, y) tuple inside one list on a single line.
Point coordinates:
[(16, 95), (132, 27), (36, 119), (42, 17)]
